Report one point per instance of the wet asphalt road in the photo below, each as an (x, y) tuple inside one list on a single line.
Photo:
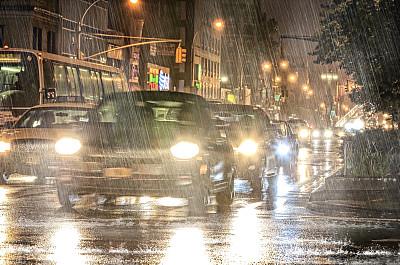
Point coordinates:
[(35, 230)]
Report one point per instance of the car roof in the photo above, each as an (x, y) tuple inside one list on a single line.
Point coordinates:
[(157, 95), (65, 105), (235, 107)]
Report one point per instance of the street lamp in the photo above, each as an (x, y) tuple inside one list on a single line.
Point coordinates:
[(267, 66), (219, 24), (80, 23), (224, 79), (292, 78), (284, 64)]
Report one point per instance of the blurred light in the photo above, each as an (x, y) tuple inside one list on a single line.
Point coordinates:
[(66, 243), (284, 64), (316, 134), (292, 78), (306, 87), (385, 115), (322, 105), (4, 147), (185, 150), (246, 239), (224, 79), (345, 108), (248, 147), (278, 79), (219, 24), (134, 1), (267, 66), (303, 154), (68, 146), (304, 133), (170, 202), (187, 246), (323, 76), (328, 134), (310, 93), (358, 124), (283, 149)]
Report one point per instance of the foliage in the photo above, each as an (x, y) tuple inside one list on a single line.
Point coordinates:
[(363, 36), (373, 154)]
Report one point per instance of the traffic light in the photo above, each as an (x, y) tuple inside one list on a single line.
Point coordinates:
[(183, 55), (180, 55)]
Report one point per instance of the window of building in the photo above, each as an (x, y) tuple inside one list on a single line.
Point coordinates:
[(51, 41), (37, 39), (1, 36)]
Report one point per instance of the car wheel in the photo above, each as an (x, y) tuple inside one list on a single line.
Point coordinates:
[(64, 196), (4, 177), (225, 198)]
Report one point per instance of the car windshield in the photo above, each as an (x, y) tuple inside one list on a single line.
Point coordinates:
[(158, 119), (53, 118)]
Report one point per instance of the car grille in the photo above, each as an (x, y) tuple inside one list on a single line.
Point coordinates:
[(32, 146)]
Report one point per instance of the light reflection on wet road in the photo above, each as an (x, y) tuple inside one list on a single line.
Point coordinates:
[(33, 228)]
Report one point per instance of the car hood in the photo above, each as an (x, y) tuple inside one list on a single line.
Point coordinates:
[(10, 135)]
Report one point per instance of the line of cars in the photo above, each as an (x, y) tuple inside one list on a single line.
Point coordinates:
[(146, 143)]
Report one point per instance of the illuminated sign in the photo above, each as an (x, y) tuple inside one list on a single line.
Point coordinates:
[(163, 81), (158, 77)]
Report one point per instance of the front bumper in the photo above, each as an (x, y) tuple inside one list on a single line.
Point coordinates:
[(147, 178)]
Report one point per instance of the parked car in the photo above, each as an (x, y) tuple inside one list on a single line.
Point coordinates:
[(148, 143), (27, 146), (286, 145), (249, 133)]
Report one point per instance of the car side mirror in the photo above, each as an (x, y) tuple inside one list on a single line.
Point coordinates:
[(50, 93)]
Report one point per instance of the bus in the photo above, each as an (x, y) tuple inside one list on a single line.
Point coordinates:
[(30, 77)]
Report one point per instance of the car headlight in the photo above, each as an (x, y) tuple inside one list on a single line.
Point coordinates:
[(304, 133), (316, 134), (4, 147), (68, 146), (283, 149), (248, 147), (328, 134), (185, 150)]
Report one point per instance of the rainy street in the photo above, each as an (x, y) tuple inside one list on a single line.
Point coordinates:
[(35, 229)]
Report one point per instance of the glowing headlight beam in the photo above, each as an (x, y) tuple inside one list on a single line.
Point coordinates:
[(316, 134), (248, 147), (68, 146), (304, 133), (328, 134), (283, 149), (4, 147), (185, 150)]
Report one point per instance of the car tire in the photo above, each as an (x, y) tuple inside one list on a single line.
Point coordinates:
[(64, 194), (4, 177), (225, 198)]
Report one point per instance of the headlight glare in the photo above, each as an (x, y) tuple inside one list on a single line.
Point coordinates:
[(4, 147), (283, 149), (248, 147), (185, 150), (328, 134), (304, 133), (316, 134), (68, 146)]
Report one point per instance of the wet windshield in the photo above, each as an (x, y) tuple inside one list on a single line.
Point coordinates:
[(54, 118)]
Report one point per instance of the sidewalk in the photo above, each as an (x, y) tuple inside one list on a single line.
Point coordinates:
[(340, 193)]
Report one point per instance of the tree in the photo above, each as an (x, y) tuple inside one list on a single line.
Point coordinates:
[(363, 36)]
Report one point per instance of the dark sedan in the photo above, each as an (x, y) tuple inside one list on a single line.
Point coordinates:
[(148, 144), (248, 129)]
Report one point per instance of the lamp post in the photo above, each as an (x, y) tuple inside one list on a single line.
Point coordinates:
[(80, 23)]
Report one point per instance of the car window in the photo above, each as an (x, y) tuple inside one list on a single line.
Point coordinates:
[(53, 118)]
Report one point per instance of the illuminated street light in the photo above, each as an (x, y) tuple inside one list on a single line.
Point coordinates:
[(310, 93), (224, 79), (322, 105), (267, 66), (219, 24), (292, 78), (306, 87), (284, 64), (134, 1), (278, 79)]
